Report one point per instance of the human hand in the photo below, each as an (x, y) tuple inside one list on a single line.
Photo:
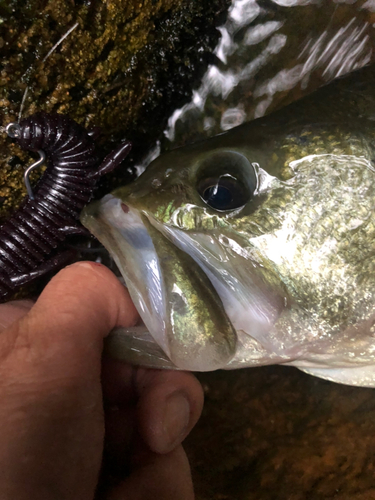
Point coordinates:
[(53, 425)]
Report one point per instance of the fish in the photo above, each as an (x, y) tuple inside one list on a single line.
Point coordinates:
[(256, 246)]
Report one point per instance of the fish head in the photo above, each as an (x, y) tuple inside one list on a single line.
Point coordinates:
[(240, 251)]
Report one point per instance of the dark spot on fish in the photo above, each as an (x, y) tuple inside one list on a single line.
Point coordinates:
[(178, 304), (178, 189)]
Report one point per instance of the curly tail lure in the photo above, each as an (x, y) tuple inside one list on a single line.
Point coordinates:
[(30, 237)]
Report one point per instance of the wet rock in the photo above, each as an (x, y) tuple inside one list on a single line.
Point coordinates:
[(123, 67), (276, 433)]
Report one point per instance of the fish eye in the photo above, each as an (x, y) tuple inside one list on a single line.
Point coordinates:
[(226, 180), (223, 192)]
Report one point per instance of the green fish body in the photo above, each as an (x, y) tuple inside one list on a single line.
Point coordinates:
[(256, 246)]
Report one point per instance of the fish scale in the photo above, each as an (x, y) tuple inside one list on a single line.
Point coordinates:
[(292, 258)]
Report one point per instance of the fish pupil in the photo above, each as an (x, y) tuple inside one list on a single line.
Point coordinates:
[(226, 180), (218, 197), (223, 192)]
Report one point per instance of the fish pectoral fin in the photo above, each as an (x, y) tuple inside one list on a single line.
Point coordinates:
[(136, 346), (361, 376)]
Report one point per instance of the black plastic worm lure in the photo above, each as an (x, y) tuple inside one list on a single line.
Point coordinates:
[(30, 238)]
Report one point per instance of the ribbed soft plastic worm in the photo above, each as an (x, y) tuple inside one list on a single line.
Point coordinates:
[(30, 237)]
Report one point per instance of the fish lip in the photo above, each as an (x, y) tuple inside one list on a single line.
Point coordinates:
[(107, 214)]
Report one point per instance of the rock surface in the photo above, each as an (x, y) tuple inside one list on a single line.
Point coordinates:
[(276, 433), (124, 66)]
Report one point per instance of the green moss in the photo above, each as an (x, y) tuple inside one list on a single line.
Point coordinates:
[(124, 68)]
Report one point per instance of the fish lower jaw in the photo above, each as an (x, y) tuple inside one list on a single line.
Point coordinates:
[(252, 314), (146, 263)]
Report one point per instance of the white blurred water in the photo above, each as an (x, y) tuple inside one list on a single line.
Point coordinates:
[(269, 52)]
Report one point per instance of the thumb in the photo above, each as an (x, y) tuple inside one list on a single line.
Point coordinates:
[(67, 324)]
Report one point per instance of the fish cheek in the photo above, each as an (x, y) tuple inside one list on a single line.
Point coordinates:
[(200, 335)]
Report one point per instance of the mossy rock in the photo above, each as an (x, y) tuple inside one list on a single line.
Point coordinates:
[(124, 67)]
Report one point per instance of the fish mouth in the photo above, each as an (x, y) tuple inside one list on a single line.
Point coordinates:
[(178, 303)]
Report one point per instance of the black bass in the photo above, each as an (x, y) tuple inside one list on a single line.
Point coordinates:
[(256, 246)]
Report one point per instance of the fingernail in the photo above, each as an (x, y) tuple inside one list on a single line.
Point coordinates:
[(176, 420), (86, 264)]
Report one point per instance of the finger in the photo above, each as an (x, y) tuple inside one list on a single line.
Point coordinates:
[(169, 404), (161, 477), (50, 366), (13, 311), (79, 307)]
